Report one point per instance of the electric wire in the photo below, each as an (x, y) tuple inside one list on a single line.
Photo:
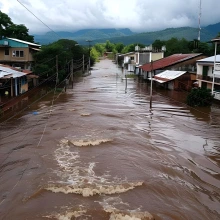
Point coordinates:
[(22, 174)]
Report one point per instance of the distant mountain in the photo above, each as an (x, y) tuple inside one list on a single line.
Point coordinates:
[(213, 28), (147, 38), (126, 36), (82, 35)]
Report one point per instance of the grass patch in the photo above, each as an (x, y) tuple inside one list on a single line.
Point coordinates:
[(131, 75)]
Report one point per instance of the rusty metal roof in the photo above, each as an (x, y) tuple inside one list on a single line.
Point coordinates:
[(168, 61), (10, 72)]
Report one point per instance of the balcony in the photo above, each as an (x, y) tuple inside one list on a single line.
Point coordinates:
[(208, 78)]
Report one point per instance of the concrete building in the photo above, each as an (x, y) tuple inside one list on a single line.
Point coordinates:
[(205, 69), (17, 53)]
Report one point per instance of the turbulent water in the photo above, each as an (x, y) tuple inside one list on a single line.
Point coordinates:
[(99, 152)]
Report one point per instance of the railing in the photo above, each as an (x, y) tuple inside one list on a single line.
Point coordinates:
[(208, 78)]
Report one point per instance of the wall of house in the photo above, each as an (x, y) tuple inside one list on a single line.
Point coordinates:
[(157, 56), (200, 69), (16, 54), (188, 65), (183, 82), (144, 58), (171, 85)]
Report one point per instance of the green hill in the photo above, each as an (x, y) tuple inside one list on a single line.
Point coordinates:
[(126, 36), (83, 35), (149, 37)]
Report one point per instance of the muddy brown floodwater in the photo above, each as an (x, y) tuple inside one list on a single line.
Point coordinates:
[(100, 153)]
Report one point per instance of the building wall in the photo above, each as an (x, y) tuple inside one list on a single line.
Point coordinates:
[(188, 65), (210, 69), (144, 58), (157, 56), (19, 54)]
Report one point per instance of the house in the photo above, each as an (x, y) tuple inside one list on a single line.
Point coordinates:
[(205, 69), (174, 80), (175, 62), (133, 60), (17, 53), (12, 81)]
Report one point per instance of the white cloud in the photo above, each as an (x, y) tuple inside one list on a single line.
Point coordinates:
[(138, 15)]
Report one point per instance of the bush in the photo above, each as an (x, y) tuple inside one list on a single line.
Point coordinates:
[(200, 97)]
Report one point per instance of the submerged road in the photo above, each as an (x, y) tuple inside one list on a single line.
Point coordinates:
[(98, 152)]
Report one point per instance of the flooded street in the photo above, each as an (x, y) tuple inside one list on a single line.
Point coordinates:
[(98, 152)]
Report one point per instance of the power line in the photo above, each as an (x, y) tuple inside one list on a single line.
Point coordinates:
[(38, 18)]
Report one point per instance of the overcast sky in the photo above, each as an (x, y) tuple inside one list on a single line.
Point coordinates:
[(138, 15)]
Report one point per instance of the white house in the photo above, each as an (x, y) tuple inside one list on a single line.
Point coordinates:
[(205, 69), (133, 60)]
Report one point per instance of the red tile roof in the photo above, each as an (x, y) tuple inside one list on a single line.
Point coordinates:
[(168, 61)]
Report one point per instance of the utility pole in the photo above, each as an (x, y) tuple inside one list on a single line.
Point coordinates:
[(83, 63), (57, 69), (151, 85), (89, 41), (72, 72), (200, 13), (12, 92), (126, 83), (216, 41)]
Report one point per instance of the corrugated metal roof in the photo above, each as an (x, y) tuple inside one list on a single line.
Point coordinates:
[(6, 72), (24, 42), (210, 59), (168, 75), (126, 54), (168, 61)]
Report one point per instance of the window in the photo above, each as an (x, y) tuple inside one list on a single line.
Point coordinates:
[(18, 53), (21, 53), (6, 52)]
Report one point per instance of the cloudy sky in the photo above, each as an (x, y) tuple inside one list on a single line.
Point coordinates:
[(138, 15)]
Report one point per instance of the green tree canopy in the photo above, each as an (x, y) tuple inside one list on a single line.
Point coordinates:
[(45, 60), (9, 29), (200, 97)]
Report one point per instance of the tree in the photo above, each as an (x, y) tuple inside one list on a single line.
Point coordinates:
[(119, 47), (129, 48), (45, 60), (9, 29), (158, 44), (5, 23), (200, 97), (109, 46), (100, 48), (94, 54), (175, 45)]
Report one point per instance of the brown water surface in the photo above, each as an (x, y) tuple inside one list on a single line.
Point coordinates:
[(100, 153)]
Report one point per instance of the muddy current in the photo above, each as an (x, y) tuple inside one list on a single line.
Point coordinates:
[(98, 151)]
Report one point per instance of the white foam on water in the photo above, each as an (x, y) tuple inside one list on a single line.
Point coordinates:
[(68, 215), (71, 110), (93, 189), (118, 215), (80, 178), (83, 143), (119, 210), (85, 114)]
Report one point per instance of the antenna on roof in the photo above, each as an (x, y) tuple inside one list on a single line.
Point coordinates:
[(200, 13)]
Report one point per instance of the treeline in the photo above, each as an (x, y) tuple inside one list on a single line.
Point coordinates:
[(173, 46), (61, 55)]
